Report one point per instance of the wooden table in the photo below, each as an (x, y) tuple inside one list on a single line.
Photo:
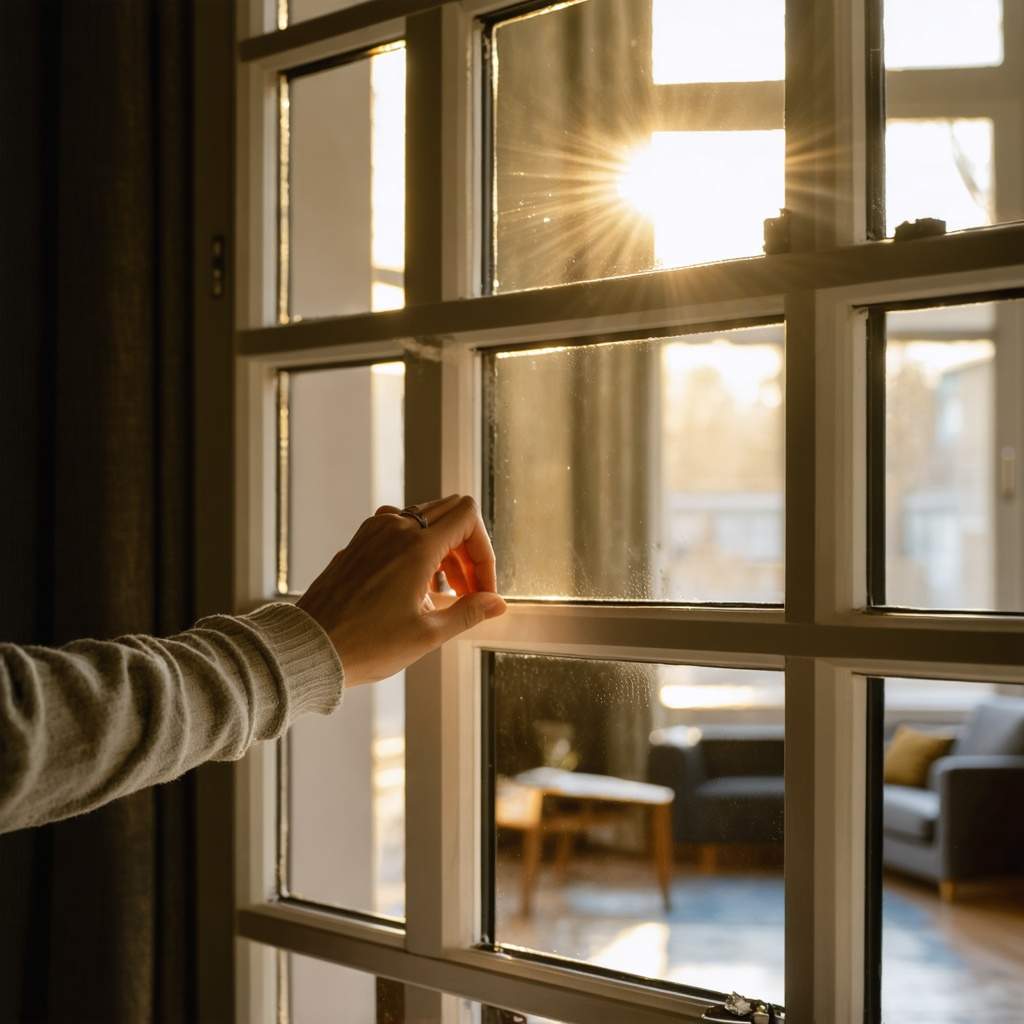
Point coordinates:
[(519, 805)]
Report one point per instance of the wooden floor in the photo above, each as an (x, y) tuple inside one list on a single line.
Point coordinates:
[(951, 964)]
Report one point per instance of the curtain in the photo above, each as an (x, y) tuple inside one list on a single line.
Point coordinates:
[(95, 456)]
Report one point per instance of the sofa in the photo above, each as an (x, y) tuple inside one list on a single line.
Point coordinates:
[(728, 782), (968, 822)]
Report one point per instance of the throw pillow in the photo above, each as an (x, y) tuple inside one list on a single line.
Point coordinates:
[(911, 753)]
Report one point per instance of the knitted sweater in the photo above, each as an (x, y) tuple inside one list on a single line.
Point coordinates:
[(95, 720)]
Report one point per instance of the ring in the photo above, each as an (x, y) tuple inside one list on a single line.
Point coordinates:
[(414, 513)]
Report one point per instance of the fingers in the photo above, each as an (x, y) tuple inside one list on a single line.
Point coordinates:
[(464, 614), (460, 530)]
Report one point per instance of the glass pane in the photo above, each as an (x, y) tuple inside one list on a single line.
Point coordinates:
[(939, 168), (315, 992), (628, 137), (946, 125), (291, 11), (952, 913), (952, 519), (639, 815), (343, 188), (343, 457), (345, 777), (470, 1012), (943, 33), (729, 41), (647, 470)]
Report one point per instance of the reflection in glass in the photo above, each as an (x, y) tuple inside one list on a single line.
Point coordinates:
[(344, 778), (343, 188), (642, 470), (943, 34), (650, 147), (639, 814), (952, 912), (949, 483)]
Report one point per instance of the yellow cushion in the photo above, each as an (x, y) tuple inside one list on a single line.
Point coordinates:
[(911, 754)]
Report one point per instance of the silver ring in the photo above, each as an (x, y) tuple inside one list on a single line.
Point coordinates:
[(414, 513)]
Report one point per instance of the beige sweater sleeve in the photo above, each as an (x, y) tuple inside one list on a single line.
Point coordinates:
[(95, 720)]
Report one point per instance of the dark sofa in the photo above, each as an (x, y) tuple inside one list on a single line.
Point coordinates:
[(727, 780), (969, 822)]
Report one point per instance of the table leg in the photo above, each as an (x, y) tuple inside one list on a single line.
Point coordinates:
[(661, 828), (531, 862)]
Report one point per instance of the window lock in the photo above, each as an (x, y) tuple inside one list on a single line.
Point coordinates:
[(925, 227), (776, 233)]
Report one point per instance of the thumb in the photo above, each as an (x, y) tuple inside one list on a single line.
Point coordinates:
[(466, 613)]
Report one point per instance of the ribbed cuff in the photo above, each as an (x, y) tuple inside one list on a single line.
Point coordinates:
[(307, 659)]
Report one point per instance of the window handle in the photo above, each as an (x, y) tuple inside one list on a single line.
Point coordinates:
[(1008, 473)]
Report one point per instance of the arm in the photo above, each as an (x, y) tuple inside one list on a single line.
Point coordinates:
[(97, 720)]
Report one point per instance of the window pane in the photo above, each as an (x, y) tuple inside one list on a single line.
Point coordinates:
[(292, 11), (951, 791), (639, 818), (470, 1012), (940, 168), (344, 780), (946, 125), (315, 992), (952, 519), (343, 458), (623, 144), (343, 188), (943, 33), (647, 470), (729, 41)]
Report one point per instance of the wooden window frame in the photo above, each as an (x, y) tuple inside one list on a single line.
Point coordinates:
[(824, 638)]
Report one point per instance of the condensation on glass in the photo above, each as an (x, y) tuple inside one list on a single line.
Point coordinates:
[(343, 776), (341, 188), (953, 521), (648, 470), (315, 992), (638, 813), (632, 136), (953, 105), (950, 842)]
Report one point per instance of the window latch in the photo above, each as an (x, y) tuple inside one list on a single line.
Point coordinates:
[(924, 227), (776, 233)]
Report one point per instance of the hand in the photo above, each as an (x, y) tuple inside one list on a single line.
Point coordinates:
[(375, 600)]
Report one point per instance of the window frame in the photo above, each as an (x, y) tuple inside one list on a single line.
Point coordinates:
[(827, 642)]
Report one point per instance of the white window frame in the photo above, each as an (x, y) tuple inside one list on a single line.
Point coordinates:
[(823, 638)]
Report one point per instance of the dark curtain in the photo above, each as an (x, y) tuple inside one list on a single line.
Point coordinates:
[(95, 463)]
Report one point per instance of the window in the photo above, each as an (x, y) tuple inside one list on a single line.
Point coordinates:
[(753, 512)]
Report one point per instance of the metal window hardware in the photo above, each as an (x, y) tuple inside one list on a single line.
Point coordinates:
[(776, 233), (924, 227), (218, 266), (1008, 473)]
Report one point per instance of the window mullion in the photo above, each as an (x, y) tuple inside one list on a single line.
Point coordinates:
[(424, 693)]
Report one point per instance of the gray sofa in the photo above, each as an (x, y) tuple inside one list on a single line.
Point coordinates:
[(969, 822), (727, 780)]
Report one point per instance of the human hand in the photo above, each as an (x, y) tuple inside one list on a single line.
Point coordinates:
[(375, 599)]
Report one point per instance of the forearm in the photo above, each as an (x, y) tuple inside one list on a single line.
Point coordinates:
[(95, 720)]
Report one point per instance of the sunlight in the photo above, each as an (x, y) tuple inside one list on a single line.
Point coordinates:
[(940, 169), (706, 193), (746, 371), (729, 41), (641, 950), (387, 162), (954, 34), (934, 359)]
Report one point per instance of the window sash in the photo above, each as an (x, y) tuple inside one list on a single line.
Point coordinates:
[(826, 642)]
